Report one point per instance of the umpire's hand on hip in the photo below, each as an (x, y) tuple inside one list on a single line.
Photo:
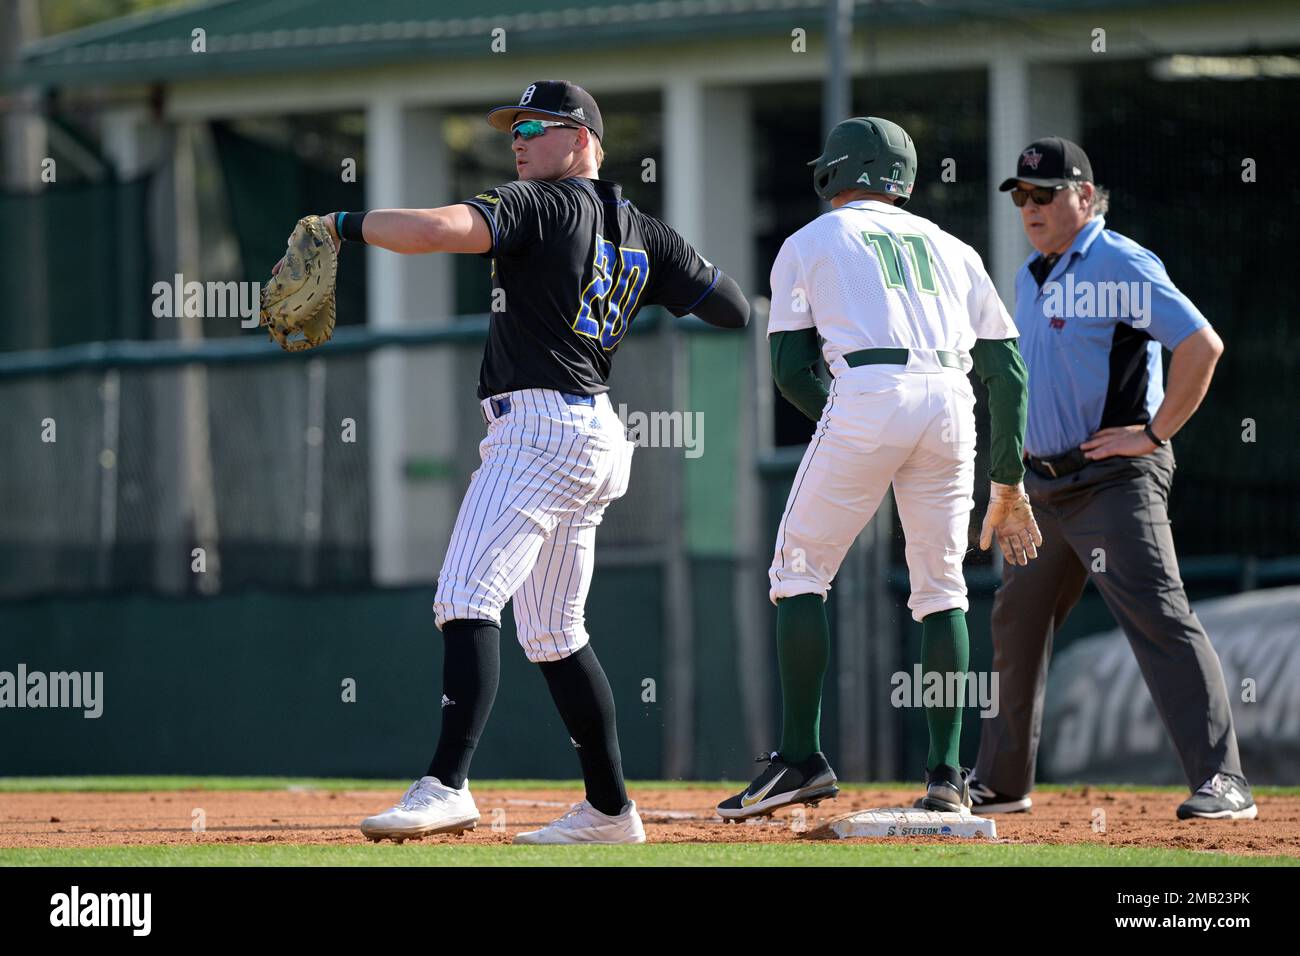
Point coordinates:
[(1010, 518), (1127, 440)]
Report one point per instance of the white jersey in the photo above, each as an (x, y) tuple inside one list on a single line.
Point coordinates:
[(871, 275)]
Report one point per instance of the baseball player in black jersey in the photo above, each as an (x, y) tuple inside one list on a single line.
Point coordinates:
[(576, 261)]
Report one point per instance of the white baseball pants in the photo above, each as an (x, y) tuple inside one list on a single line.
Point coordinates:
[(527, 525), (913, 426)]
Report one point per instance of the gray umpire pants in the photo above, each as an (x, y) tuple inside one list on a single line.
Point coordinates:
[(1118, 505)]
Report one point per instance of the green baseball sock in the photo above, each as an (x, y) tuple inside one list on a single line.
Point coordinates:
[(803, 646), (945, 648)]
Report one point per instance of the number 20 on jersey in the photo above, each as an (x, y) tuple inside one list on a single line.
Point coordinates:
[(619, 284)]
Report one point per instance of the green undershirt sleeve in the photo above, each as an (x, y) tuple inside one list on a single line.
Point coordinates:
[(794, 357), (1000, 367)]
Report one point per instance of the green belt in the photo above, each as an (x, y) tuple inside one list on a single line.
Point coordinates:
[(896, 357)]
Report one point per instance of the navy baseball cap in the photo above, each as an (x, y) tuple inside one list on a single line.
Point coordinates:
[(558, 98), (1051, 161)]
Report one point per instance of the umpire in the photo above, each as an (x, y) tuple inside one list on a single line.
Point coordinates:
[(1094, 309)]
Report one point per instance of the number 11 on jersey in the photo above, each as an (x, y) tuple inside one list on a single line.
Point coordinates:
[(889, 252), (622, 290)]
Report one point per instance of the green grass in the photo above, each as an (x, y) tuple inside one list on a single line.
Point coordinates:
[(108, 784), (660, 854)]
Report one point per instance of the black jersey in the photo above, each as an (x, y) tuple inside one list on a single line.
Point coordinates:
[(576, 262)]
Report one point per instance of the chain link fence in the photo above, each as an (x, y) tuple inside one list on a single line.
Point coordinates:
[(123, 459)]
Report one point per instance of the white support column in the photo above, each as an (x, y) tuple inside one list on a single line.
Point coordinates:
[(1008, 134), (22, 125), (728, 177), (383, 189), (410, 390), (708, 177), (132, 140), (684, 156), (25, 142), (708, 181), (136, 142), (684, 187), (408, 168), (1026, 101), (1054, 102), (23, 136)]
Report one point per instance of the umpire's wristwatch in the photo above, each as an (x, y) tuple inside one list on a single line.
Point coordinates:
[(1158, 442)]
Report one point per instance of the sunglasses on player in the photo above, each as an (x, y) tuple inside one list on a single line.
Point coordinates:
[(1041, 195), (531, 129)]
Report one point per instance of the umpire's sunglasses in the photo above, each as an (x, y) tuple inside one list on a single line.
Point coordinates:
[(1041, 195), (531, 129)]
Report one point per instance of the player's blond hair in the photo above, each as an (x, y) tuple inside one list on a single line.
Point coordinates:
[(600, 150)]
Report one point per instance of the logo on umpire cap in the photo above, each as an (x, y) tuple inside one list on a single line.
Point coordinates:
[(1030, 158)]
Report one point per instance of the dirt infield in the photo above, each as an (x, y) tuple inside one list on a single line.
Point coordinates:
[(1128, 819)]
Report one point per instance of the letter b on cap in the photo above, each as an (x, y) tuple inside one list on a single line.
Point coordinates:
[(528, 95)]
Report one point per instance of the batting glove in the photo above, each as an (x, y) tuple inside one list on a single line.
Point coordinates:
[(1010, 518)]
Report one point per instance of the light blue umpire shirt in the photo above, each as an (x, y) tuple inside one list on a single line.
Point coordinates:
[(1091, 338)]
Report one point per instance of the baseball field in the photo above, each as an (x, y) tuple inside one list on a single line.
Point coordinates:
[(262, 821)]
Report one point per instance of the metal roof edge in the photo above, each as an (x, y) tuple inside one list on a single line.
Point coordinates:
[(118, 25), (112, 63)]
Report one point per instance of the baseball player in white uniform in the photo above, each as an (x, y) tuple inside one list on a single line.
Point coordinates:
[(903, 311)]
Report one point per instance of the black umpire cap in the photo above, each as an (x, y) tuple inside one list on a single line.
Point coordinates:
[(558, 98), (1051, 161)]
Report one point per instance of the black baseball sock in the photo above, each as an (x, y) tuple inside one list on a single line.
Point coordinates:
[(471, 670), (582, 695)]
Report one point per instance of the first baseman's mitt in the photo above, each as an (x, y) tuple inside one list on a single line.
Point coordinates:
[(300, 296)]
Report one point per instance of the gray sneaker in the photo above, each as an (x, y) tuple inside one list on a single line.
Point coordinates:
[(946, 790), (987, 800), (1224, 796)]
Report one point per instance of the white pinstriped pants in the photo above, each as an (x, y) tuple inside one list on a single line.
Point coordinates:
[(527, 525)]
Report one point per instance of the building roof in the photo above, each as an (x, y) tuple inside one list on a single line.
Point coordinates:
[(266, 36)]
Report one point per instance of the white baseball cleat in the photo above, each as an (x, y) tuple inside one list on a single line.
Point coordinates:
[(426, 808), (585, 824)]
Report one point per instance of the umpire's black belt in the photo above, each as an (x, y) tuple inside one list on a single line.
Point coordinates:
[(896, 357), (1059, 466)]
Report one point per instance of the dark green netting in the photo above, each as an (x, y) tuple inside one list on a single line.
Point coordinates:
[(74, 264), (267, 189)]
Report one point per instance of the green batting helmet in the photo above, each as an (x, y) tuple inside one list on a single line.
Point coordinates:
[(866, 152)]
